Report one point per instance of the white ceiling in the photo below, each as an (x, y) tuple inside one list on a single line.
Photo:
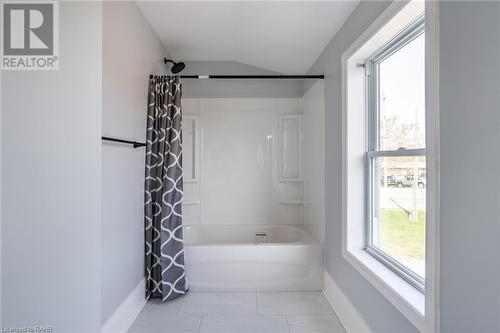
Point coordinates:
[(285, 37)]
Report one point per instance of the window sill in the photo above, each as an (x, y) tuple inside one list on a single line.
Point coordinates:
[(403, 295)]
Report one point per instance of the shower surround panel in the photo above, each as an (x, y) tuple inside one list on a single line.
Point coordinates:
[(244, 172), (243, 161)]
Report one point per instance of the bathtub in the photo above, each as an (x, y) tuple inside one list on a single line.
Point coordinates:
[(252, 258)]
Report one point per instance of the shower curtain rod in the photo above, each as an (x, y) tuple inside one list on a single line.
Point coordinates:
[(260, 77), (223, 77), (133, 143)]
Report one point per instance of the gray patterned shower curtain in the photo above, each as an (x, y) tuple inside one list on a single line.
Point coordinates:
[(165, 274)]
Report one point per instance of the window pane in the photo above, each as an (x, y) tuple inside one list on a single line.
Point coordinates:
[(399, 209), (402, 97)]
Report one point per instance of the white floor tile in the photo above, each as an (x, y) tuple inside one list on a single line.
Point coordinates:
[(244, 324), (306, 312), (156, 307), (219, 304), (154, 323), (293, 303), (315, 324)]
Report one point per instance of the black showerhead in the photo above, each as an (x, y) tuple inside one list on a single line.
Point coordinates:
[(177, 67)]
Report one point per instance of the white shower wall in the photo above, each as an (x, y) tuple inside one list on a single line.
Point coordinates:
[(313, 105), (232, 153), (244, 161)]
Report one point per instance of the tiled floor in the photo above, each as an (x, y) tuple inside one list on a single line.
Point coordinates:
[(280, 312)]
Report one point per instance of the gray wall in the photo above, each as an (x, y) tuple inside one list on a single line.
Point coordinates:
[(131, 51), (51, 172), (379, 314), (235, 88), (470, 166)]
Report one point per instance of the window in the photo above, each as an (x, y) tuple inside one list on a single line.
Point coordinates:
[(396, 155), (390, 158)]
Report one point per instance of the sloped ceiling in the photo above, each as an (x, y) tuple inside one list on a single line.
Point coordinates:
[(285, 37)]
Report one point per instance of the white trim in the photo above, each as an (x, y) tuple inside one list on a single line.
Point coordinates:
[(290, 202), (0, 197), (196, 148), (421, 310), (398, 152), (281, 152), (404, 296), (191, 202), (350, 318), (433, 165), (123, 317), (201, 189)]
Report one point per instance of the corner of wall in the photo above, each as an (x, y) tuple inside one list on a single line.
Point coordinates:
[(348, 315), (165, 49), (131, 52), (124, 316)]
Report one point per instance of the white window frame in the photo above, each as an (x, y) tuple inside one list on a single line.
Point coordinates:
[(410, 33), (419, 308)]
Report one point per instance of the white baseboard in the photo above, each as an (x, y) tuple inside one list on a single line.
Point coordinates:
[(349, 317), (121, 320)]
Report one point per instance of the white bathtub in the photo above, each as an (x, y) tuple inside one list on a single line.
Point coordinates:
[(227, 258)]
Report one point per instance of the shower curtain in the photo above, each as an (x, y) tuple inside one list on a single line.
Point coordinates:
[(165, 274)]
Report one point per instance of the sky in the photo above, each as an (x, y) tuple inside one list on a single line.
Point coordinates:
[(402, 85)]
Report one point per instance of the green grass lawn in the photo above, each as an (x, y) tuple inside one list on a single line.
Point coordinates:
[(400, 237)]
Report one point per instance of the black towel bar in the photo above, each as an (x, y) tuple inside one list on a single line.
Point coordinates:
[(133, 143)]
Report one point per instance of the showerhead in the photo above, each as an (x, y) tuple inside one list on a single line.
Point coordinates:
[(177, 67)]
